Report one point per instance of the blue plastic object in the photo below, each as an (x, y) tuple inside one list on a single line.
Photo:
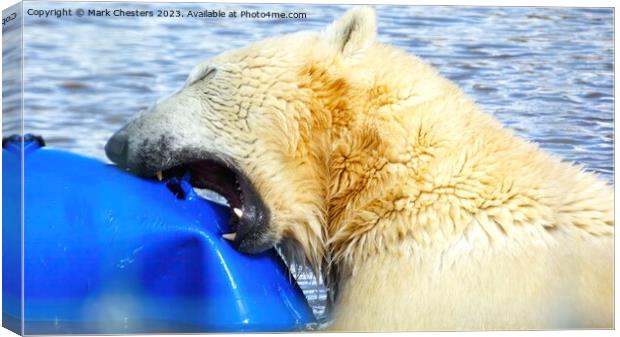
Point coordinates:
[(107, 252)]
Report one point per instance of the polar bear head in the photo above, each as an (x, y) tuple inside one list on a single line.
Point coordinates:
[(255, 125)]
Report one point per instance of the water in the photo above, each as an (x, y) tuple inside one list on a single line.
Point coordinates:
[(547, 73)]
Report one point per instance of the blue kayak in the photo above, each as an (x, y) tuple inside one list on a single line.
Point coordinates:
[(107, 252)]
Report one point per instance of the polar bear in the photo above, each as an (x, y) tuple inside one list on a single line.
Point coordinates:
[(421, 211)]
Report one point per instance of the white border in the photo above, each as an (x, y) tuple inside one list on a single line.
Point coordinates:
[(562, 3)]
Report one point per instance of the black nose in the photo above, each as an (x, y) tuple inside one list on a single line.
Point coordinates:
[(116, 149)]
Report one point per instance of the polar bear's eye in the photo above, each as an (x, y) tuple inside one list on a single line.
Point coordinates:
[(199, 76)]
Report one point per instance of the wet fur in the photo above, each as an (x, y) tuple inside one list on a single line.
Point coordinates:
[(436, 217), (423, 212)]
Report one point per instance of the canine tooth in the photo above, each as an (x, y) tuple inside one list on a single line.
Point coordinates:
[(238, 211), (160, 175), (229, 236)]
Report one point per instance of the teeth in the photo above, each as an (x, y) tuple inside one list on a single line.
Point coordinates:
[(229, 236), (238, 211), (160, 175)]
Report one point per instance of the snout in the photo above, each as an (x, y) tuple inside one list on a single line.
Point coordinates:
[(140, 151), (144, 148), (146, 151), (173, 140), (117, 148)]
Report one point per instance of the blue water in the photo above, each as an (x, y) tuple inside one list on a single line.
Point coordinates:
[(547, 73)]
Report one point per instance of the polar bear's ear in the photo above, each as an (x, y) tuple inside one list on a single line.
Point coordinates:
[(354, 31)]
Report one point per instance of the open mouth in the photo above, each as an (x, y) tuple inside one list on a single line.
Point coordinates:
[(249, 216)]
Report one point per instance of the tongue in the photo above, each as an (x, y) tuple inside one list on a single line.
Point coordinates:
[(249, 215), (207, 174)]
